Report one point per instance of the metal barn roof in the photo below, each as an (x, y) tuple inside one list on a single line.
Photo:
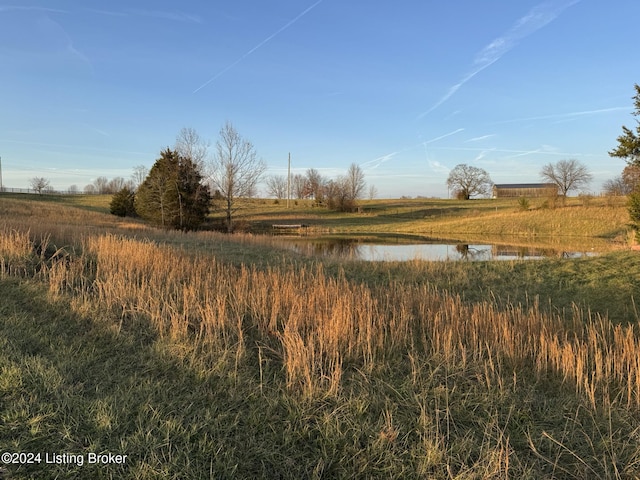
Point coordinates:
[(525, 185)]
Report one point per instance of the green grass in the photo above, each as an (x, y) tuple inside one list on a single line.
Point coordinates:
[(494, 216), (607, 284), (602, 217), (97, 203), (76, 377), (76, 384)]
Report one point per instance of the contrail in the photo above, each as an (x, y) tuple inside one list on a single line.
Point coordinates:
[(277, 32), (443, 136), (564, 115), (376, 162), (537, 18)]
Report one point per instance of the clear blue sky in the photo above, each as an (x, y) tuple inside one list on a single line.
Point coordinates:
[(405, 89)]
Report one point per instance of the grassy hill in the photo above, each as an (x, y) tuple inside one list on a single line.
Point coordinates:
[(203, 355)]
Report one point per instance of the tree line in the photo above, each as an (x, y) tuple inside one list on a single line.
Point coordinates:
[(339, 194), (178, 190), (185, 181)]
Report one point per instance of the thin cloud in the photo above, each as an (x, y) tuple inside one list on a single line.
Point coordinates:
[(137, 12), (15, 8), (99, 131), (478, 139), (483, 154), (173, 16), (262, 43), (427, 142), (108, 13), (376, 162), (70, 147), (543, 150), (438, 167), (537, 18), (568, 115), (51, 36), (70, 47)]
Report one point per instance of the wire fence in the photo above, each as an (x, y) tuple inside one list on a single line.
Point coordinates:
[(50, 191)]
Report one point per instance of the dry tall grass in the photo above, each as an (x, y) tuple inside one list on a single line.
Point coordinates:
[(15, 250), (318, 325), (296, 333)]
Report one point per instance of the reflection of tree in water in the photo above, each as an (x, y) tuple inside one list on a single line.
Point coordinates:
[(528, 252), (361, 249), (339, 247), (467, 252)]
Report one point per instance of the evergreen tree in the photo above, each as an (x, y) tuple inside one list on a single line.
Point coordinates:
[(173, 195), (633, 207), (122, 203), (629, 142), (629, 149)]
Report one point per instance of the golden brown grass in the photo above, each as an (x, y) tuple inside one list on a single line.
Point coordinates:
[(328, 332), (314, 322), (604, 217), (317, 324)]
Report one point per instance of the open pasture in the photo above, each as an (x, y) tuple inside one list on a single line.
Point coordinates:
[(206, 355)]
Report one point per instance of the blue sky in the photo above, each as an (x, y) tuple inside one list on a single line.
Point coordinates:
[(406, 89)]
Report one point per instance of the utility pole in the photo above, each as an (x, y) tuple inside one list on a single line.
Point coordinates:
[(1, 186), (289, 181)]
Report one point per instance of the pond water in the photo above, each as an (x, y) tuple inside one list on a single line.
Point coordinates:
[(434, 250)]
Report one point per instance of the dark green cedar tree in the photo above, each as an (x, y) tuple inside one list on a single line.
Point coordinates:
[(122, 203), (629, 142), (173, 195)]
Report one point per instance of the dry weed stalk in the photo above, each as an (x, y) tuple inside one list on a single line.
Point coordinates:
[(318, 323)]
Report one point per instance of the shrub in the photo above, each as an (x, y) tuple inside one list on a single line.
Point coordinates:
[(633, 206), (586, 199), (523, 203), (122, 203)]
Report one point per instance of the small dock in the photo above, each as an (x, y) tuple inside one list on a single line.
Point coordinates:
[(288, 226)]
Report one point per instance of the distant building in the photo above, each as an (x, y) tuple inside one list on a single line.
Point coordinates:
[(530, 190)]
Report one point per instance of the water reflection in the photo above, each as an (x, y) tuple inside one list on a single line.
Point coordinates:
[(438, 250)]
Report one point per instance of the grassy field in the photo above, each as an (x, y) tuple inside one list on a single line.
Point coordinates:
[(203, 355)]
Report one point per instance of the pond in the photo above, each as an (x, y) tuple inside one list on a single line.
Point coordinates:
[(368, 249)]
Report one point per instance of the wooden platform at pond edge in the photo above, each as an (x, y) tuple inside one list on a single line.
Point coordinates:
[(288, 227)]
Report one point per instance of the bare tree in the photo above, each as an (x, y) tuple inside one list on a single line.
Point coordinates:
[(40, 184), (373, 192), (116, 184), (298, 186), (338, 194), (631, 177), (277, 186), (235, 169), (567, 175), (624, 184), (314, 185), (615, 187), (101, 185), (189, 144), (355, 182), (468, 181), (139, 174)]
